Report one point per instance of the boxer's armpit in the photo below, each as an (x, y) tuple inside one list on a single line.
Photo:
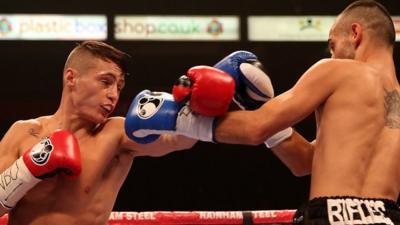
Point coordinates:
[(392, 109)]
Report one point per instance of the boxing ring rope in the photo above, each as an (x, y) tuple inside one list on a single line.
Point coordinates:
[(258, 217)]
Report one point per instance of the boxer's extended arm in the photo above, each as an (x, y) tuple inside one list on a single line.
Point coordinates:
[(165, 144), (254, 127), (154, 113), (296, 153)]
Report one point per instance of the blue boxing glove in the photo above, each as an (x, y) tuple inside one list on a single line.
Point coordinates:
[(145, 113), (155, 113), (253, 86)]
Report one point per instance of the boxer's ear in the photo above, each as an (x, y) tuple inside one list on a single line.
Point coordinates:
[(69, 77), (356, 34)]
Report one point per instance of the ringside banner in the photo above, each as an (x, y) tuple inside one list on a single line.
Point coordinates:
[(173, 28), (295, 28), (289, 28), (52, 27)]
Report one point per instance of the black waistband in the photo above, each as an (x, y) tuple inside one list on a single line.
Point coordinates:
[(346, 208)]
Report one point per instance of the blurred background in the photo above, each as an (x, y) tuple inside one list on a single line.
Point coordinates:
[(209, 176)]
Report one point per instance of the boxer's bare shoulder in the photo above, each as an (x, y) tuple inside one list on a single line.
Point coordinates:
[(36, 127)]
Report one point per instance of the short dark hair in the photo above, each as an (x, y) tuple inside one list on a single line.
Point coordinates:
[(105, 52), (376, 16)]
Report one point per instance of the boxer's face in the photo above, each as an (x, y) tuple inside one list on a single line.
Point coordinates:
[(96, 90), (339, 42)]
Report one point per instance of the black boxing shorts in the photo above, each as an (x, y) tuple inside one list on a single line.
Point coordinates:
[(347, 210)]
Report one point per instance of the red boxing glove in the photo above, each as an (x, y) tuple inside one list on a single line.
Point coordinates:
[(59, 152), (210, 90)]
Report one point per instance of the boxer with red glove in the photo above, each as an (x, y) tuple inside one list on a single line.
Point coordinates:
[(154, 113), (208, 90), (57, 154)]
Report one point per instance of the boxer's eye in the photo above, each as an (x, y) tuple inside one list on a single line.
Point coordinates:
[(119, 88), (120, 85), (106, 82)]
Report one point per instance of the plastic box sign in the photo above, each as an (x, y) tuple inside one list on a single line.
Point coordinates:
[(52, 27)]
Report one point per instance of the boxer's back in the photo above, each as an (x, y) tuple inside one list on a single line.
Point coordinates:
[(358, 137)]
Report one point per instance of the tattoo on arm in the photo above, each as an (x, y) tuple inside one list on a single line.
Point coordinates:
[(34, 133), (392, 109)]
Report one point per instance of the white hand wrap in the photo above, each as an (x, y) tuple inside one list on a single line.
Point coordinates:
[(194, 125), (279, 137), (15, 182)]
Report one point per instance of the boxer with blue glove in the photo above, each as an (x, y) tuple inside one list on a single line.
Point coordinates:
[(253, 86), (153, 113)]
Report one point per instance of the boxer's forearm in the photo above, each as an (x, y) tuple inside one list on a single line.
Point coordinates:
[(178, 142), (164, 145), (296, 153)]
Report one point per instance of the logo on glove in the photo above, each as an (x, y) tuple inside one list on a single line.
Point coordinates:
[(40, 153), (149, 105)]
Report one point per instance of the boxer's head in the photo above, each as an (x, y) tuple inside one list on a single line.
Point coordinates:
[(364, 22), (82, 56), (94, 75)]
